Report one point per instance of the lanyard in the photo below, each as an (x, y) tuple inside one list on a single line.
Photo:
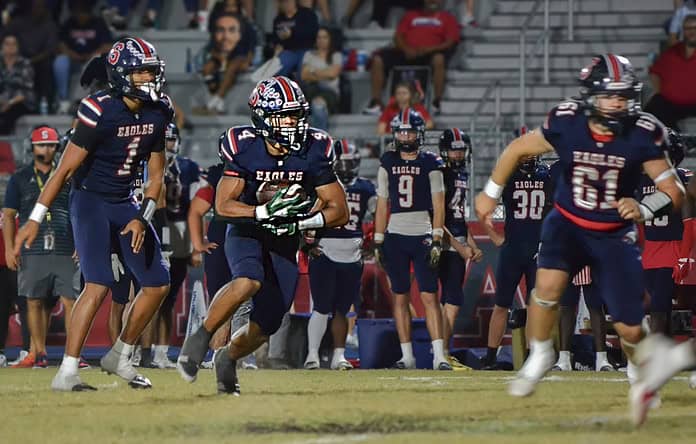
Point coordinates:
[(40, 183)]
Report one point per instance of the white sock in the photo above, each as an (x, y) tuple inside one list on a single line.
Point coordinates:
[(123, 348), (540, 346), (315, 331), (338, 355), (407, 352), (69, 365), (564, 357), (631, 372), (600, 359), (438, 351)]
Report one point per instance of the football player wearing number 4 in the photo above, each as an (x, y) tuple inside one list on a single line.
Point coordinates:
[(410, 184), (116, 130), (278, 151), (604, 143), (525, 198)]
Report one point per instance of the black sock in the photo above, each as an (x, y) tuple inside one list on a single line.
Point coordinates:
[(146, 357), (491, 355)]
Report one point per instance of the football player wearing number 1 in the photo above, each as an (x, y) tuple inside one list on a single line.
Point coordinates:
[(525, 198), (604, 143), (410, 184), (116, 129), (279, 152)]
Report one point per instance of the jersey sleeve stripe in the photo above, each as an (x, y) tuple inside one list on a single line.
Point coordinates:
[(232, 142), (91, 104), (86, 120), (328, 150)]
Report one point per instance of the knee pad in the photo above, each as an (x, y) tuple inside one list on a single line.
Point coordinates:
[(543, 303)]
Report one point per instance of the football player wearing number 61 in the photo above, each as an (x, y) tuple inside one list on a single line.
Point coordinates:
[(604, 143), (526, 199), (410, 184), (116, 130)]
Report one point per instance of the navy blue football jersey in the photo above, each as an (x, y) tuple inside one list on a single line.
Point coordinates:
[(358, 194), (117, 140), (597, 171), (181, 180), (668, 227), (245, 156), (216, 229), (526, 200), (409, 181), (456, 188)]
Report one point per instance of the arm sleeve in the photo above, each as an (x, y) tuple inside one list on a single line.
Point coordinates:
[(207, 193), (337, 59), (85, 136), (437, 183), (12, 194), (382, 183)]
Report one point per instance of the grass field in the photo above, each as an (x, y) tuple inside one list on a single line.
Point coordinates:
[(336, 407)]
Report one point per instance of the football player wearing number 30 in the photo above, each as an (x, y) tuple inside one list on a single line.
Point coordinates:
[(116, 130), (604, 143), (410, 185)]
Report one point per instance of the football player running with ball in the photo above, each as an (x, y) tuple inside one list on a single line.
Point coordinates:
[(278, 152)]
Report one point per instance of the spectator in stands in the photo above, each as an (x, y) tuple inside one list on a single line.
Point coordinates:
[(323, 5), (82, 36), (117, 13), (231, 52), (688, 7), (467, 17), (321, 69), (404, 97), (423, 37), (672, 77), (380, 10), (38, 39), (295, 31), (221, 7), (8, 277), (16, 84)]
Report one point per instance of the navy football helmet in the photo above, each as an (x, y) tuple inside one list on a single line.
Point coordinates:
[(405, 124), (453, 140), (676, 146), (529, 165), (272, 100), (347, 163), (171, 134), (134, 54), (607, 75)]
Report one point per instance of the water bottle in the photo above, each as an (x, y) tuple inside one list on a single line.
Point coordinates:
[(43, 106), (189, 61)]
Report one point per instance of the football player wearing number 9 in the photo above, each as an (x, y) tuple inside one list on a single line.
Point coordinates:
[(116, 129), (335, 266), (279, 152), (409, 185), (604, 142), (526, 198), (668, 242)]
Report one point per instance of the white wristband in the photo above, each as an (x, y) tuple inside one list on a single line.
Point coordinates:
[(493, 190), (38, 213), (314, 221), (379, 237), (438, 232), (261, 213)]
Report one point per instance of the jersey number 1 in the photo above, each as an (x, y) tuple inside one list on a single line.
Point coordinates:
[(587, 196), (131, 152)]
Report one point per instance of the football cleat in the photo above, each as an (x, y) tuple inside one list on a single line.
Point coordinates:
[(537, 365), (140, 382), (311, 365), (402, 364), (456, 364), (341, 364), (226, 373), (192, 354), (26, 362), (41, 361), (444, 365), (114, 363), (69, 383)]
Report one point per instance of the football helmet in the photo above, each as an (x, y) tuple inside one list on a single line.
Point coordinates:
[(273, 99), (607, 75), (134, 54), (529, 165), (676, 146), (455, 140), (171, 134), (347, 162), (405, 124)]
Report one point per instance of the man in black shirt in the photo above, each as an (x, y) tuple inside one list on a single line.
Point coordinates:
[(295, 31)]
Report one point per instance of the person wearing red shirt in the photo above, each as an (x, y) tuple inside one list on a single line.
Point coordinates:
[(423, 37), (403, 98), (672, 77)]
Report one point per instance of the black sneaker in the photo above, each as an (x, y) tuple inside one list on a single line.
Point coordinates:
[(226, 373), (140, 382), (192, 354)]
